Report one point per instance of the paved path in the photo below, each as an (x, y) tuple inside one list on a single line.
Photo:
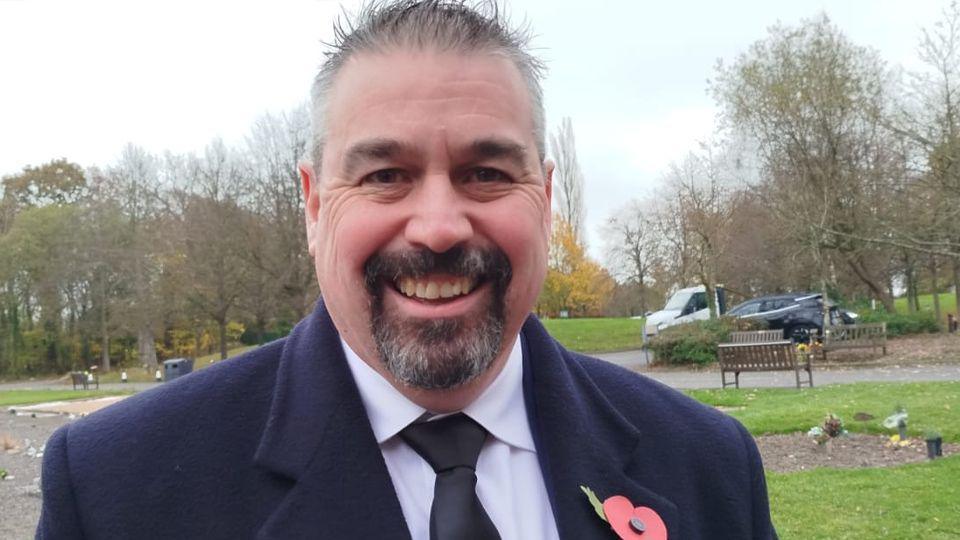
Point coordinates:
[(54, 384), (708, 378)]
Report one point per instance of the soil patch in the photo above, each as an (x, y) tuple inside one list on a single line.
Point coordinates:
[(798, 452), (918, 349)]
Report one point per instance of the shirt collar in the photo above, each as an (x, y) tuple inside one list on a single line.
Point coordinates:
[(500, 409)]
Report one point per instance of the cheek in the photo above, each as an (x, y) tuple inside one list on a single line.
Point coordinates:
[(349, 232), (520, 233)]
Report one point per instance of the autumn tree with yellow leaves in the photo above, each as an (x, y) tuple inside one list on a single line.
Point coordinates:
[(575, 283)]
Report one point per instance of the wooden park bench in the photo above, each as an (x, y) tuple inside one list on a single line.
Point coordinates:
[(84, 381), (756, 336), (855, 336), (771, 356)]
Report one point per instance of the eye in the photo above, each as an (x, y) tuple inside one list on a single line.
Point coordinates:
[(385, 176), (486, 175)]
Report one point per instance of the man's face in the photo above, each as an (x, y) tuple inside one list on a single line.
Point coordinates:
[(430, 217)]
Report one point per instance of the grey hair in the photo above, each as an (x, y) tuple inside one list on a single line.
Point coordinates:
[(446, 25)]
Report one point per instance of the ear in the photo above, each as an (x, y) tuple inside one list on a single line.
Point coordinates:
[(311, 200), (548, 167)]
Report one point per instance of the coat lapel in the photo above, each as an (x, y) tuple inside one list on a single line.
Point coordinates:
[(318, 439), (581, 441), (318, 436)]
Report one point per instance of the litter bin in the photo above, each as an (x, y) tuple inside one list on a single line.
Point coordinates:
[(176, 367)]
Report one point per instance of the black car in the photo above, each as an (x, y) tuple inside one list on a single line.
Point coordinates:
[(800, 315)]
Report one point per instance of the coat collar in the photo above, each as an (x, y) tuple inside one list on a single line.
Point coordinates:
[(582, 440), (318, 438)]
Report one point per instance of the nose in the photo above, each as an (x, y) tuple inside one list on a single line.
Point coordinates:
[(438, 218)]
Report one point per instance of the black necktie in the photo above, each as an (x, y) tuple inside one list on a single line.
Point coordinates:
[(451, 446)]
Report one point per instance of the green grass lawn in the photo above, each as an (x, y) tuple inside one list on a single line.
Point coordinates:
[(597, 335), (911, 501), (931, 406), (26, 397), (947, 304)]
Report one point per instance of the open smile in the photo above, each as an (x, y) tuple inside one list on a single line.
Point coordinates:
[(435, 288), (436, 296)]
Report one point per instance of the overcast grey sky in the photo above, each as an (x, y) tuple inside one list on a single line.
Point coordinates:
[(79, 79)]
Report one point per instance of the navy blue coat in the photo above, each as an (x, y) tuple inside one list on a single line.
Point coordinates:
[(276, 444)]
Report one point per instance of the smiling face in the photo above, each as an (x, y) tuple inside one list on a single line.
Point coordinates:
[(430, 217)]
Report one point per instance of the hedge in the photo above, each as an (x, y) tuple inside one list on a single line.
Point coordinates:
[(696, 342), (900, 324)]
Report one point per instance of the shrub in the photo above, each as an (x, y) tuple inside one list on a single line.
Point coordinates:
[(899, 324), (696, 342)]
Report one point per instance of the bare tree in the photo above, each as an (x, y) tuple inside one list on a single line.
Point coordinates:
[(568, 179), (703, 200), (633, 247), (274, 146), (212, 235), (133, 183), (815, 104)]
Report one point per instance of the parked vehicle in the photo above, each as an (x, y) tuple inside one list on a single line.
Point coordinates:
[(685, 305), (800, 315)]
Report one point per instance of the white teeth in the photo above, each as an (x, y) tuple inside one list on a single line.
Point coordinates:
[(446, 290), (432, 290)]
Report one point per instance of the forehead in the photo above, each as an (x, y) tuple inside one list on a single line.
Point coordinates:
[(406, 94)]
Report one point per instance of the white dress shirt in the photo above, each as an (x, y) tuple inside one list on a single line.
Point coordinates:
[(509, 481)]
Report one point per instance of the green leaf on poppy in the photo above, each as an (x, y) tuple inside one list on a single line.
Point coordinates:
[(594, 501)]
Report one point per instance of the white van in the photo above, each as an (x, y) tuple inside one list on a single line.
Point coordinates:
[(685, 305)]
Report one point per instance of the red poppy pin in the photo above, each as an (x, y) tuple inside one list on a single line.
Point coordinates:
[(629, 522)]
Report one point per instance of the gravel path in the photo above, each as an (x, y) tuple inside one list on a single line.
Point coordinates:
[(21, 454)]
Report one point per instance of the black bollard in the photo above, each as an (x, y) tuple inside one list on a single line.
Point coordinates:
[(934, 447)]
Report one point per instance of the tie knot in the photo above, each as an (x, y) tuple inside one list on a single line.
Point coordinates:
[(448, 443)]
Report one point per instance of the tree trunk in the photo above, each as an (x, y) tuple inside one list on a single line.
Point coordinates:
[(146, 348), (104, 337), (910, 274), (711, 298), (222, 324), (956, 287), (261, 329), (643, 297), (879, 292), (105, 352), (935, 288), (198, 342)]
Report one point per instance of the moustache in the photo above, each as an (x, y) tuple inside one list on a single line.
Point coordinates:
[(481, 264)]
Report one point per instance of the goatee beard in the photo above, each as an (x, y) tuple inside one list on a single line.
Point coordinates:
[(438, 353)]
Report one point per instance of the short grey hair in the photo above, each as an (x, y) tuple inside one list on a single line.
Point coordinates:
[(446, 25)]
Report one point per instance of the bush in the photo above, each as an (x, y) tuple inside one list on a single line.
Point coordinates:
[(900, 324), (696, 342)]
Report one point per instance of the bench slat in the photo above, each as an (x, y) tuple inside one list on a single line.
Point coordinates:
[(854, 336), (769, 356), (756, 336)]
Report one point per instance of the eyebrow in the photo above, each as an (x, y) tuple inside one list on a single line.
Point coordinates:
[(495, 148), (371, 150), (381, 149)]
